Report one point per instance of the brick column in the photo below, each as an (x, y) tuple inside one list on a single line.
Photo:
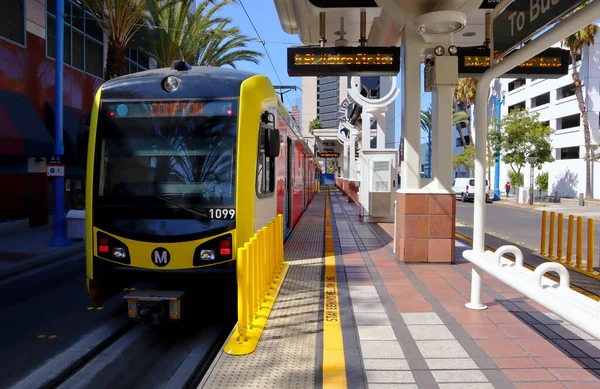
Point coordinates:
[(425, 227)]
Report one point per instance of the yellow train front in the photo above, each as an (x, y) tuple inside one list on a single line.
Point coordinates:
[(184, 165)]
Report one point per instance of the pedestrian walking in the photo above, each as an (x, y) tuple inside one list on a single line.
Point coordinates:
[(507, 187)]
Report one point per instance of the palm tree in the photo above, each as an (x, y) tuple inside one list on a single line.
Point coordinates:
[(464, 93), (201, 38), (119, 21), (315, 124), (575, 42)]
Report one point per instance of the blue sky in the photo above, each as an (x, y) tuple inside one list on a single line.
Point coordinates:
[(264, 16)]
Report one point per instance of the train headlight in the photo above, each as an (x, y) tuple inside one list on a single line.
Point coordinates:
[(119, 253), (171, 84), (207, 255)]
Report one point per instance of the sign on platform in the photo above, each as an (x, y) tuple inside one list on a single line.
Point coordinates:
[(521, 20), (489, 4), (55, 170)]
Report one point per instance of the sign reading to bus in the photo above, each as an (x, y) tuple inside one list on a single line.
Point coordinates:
[(167, 109)]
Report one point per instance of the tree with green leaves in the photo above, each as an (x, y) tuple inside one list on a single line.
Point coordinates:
[(522, 136), (315, 124), (464, 94), (542, 181), (575, 42), (201, 38)]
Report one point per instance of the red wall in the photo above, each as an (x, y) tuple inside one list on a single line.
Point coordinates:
[(29, 72)]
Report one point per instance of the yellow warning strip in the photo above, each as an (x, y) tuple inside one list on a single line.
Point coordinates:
[(334, 363), (555, 279)]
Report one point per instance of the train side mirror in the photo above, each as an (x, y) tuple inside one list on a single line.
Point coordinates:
[(272, 146)]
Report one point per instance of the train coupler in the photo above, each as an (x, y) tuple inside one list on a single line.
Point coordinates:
[(156, 303)]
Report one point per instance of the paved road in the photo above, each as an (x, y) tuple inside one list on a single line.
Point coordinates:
[(517, 225), (44, 312)]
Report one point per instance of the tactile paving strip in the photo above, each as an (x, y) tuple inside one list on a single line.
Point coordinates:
[(286, 353)]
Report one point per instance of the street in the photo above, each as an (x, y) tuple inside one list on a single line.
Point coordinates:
[(520, 226)]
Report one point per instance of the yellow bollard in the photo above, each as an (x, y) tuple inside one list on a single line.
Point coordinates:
[(559, 238), (579, 254), (254, 244), (248, 287), (551, 237), (543, 240), (281, 256), (570, 228), (590, 246), (242, 293)]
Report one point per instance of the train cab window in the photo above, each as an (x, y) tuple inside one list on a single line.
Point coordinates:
[(265, 168)]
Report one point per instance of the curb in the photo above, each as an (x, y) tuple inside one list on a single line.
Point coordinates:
[(44, 259)]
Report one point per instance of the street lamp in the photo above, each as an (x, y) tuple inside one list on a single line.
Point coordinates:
[(532, 160), (498, 101)]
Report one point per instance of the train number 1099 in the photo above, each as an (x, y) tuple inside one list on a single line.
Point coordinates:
[(222, 213)]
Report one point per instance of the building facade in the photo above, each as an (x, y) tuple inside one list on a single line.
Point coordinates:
[(27, 36), (555, 101)]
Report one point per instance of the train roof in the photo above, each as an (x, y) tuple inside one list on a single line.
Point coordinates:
[(207, 81)]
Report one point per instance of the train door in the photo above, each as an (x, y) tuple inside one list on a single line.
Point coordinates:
[(289, 186)]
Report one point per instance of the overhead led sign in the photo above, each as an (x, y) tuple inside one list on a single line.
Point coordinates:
[(551, 63), (329, 155), (160, 109), (343, 61)]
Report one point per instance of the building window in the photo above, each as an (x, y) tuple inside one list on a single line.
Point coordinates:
[(520, 105), (12, 21), (570, 121), (83, 47), (540, 100), (137, 61), (265, 168), (519, 82), (566, 91), (569, 152)]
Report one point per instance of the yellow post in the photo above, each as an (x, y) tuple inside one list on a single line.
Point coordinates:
[(570, 239), (590, 246), (281, 250), (579, 255), (242, 293), (248, 287), (559, 238), (254, 242), (551, 240), (543, 240)]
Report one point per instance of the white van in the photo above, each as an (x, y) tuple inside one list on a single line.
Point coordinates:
[(464, 188)]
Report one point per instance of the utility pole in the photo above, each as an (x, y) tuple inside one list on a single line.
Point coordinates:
[(59, 233), (498, 103), (283, 89)]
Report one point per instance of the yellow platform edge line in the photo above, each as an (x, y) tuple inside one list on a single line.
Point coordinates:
[(234, 345), (549, 276), (334, 362)]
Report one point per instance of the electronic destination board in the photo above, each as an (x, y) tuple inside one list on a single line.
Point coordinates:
[(343, 61), (550, 63)]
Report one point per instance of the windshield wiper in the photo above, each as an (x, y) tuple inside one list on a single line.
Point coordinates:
[(200, 215)]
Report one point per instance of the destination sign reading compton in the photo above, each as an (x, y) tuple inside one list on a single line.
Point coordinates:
[(522, 19), (343, 61), (160, 109)]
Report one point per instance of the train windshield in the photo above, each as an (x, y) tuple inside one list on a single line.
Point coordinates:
[(166, 158)]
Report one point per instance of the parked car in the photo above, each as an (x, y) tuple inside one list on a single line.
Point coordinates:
[(464, 188)]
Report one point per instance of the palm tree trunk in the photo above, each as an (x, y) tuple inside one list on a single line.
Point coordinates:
[(586, 125), (116, 64), (471, 140)]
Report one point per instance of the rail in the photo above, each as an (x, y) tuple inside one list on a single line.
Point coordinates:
[(260, 273), (581, 311), (552, 242)]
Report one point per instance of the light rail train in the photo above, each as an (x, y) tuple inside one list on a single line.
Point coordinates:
[(185, 164)]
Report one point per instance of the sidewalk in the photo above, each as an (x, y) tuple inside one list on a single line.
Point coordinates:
[(586, 211), (23, 248)]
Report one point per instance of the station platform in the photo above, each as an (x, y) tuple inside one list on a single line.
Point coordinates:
[(349, 315)]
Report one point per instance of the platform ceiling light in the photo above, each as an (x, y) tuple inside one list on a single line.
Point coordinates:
[(452, 50), (441, 23), (439, 50)]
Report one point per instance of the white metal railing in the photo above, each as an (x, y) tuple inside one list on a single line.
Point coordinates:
[(580, 310)]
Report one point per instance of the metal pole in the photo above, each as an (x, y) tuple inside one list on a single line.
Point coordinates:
[(429, 154), (59, 235), (498, 103), (531, 185)]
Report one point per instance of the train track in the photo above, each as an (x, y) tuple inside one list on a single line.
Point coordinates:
[(122, 353)]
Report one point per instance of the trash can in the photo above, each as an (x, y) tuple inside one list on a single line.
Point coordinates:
[(76, 224)]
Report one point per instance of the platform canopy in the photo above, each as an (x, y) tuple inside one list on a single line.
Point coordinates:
[(384, 19)]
